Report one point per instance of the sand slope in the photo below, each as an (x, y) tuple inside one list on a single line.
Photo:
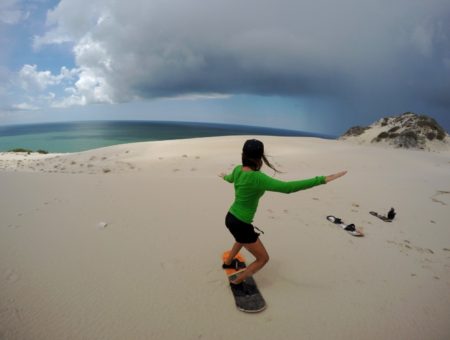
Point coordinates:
[(153, 271)]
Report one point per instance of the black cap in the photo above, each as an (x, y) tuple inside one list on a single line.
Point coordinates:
[(253, 148)]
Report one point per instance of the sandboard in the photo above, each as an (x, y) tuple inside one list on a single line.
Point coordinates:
[(246, 295)]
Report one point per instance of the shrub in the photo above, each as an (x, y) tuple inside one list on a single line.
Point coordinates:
[(43, 152), (395, 128), (393, 135), (407, 139), (356, 131), (431, 135), (21, 150), (428, 122), (409, 134), (441, 135)]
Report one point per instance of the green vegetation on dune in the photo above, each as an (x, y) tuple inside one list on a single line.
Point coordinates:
[(28, 151)]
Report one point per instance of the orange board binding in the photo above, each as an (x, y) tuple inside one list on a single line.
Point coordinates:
[(232, 273)]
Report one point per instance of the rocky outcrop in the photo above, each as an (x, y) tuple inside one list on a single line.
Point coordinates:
[(409, 131)]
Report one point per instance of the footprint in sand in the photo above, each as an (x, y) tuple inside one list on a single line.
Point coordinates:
[(271, 212), (102, 225), (11, 276), (185, 156), (439, 193), (354, 207), (407, 244), (176, 170)]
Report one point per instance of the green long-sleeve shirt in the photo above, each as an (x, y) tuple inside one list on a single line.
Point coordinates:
[(250, 186)]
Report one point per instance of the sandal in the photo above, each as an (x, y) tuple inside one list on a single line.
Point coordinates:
[(350, 228)]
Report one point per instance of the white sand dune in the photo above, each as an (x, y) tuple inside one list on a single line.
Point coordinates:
[(125, 242)]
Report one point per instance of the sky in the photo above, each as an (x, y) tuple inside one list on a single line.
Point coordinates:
[(311, 65)]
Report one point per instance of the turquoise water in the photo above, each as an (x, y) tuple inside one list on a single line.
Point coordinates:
[(80, 136)]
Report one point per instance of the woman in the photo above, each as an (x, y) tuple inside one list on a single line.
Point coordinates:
[(250, 185)]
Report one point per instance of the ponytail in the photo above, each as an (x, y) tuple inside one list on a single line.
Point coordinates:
[(255, 164), (270, 165)]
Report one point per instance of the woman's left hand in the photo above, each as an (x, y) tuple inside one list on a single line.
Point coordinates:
[(334, 176)]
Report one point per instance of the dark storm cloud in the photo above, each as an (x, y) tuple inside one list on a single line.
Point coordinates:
[(387, 53)]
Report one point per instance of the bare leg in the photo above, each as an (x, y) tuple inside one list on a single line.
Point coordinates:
[(261, 255), (234, 251)]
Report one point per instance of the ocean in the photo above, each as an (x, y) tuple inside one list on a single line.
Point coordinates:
[(81, 136)]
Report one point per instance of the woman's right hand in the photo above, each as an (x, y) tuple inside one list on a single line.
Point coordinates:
[(334, 176)]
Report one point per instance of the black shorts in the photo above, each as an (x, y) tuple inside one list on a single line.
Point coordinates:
[(242, 232)]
